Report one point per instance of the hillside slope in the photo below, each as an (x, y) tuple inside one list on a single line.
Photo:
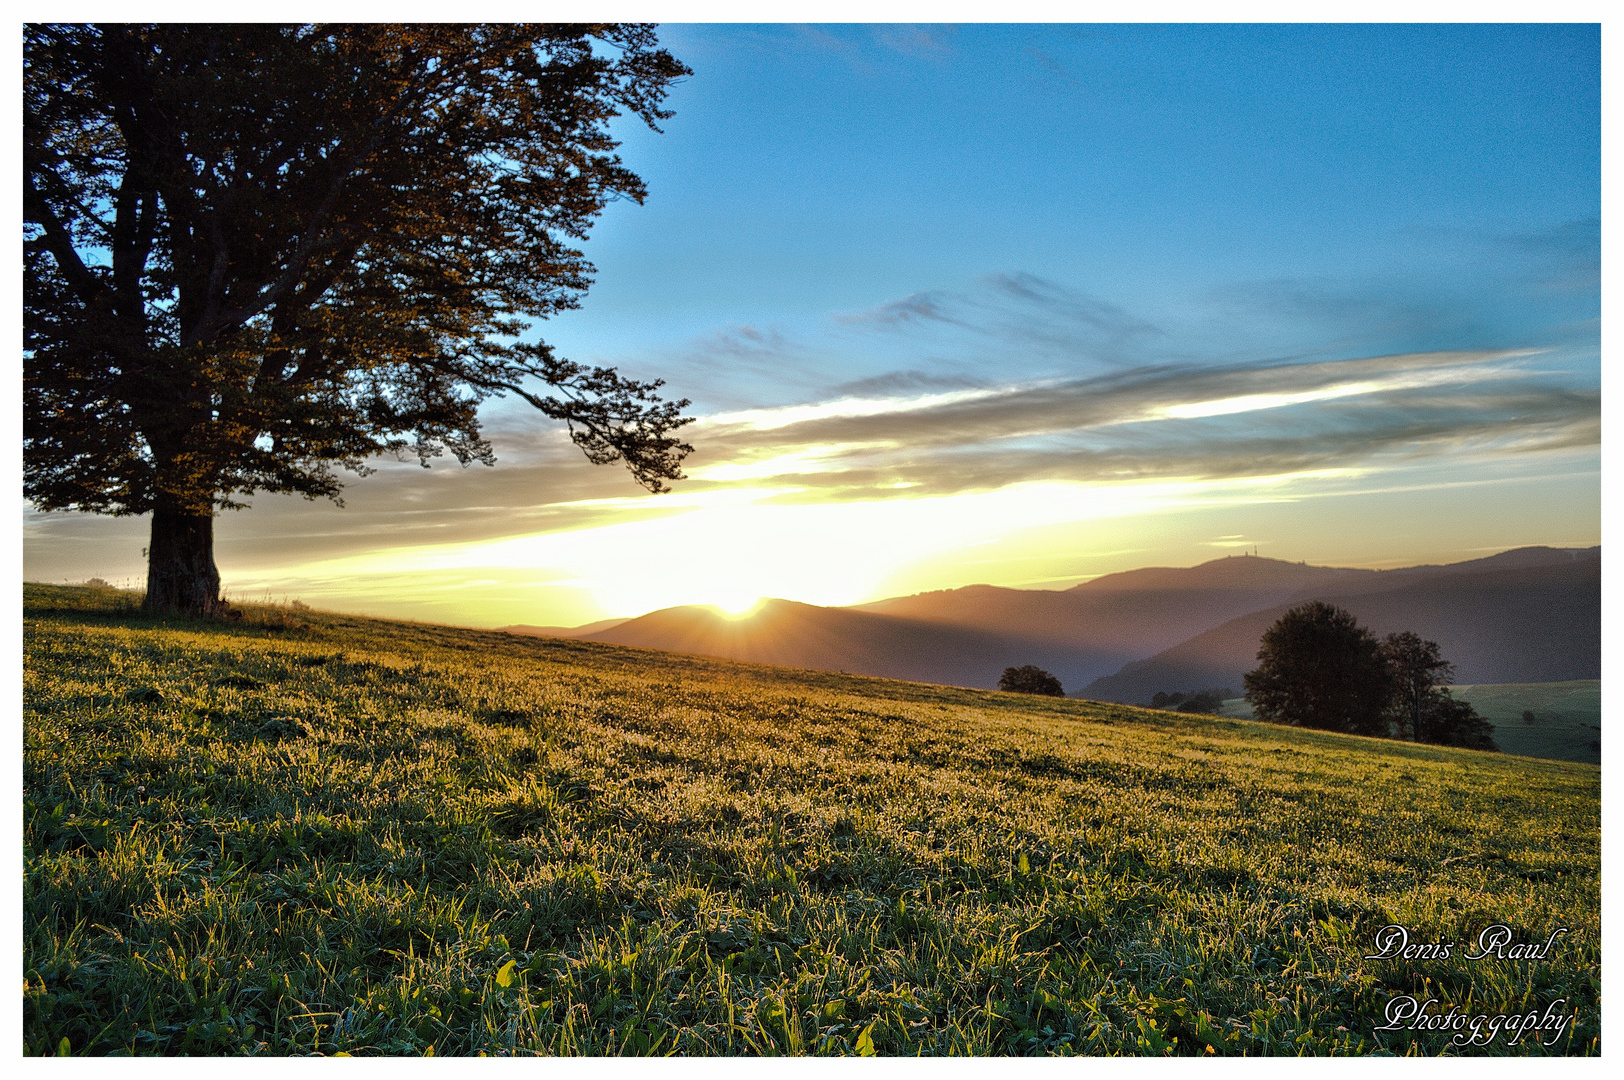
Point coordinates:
[(1114, 636), (1126, 616), (1517, 624), (309, 833), (840, 639)]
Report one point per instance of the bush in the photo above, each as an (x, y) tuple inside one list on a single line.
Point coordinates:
[(1030, 679), (1203, 701), (1449, 722), (1206, 701)]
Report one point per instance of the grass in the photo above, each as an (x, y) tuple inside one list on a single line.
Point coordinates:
[(1567, 717), (1566, 725), (305, 833)]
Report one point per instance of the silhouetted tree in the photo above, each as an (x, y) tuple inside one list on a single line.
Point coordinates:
[(1202, 701), (1205, 701), (1447, 721), (1030, 679), (1318, 668), (1417, 666), (253, 252), (1423, 709)]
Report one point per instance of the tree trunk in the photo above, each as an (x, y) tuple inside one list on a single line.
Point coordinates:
[(181, 575)]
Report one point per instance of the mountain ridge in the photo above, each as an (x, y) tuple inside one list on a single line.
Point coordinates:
[(1179, 628), (1516, 623)]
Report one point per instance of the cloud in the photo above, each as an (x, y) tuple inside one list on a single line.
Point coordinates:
[(1085, 393), (1164, 421), (1464, 289), (1564, 258), (743, 342), (916, 40), (916, 308), (1069, 306), (898, 383), (1016, 314)]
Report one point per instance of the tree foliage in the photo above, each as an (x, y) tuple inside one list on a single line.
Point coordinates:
[(1448, 721), (1423, 709), (1030, 679), (1417, 667), (1318, 668), (254, 253)]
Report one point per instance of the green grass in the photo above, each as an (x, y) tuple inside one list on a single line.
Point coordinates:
[(309, 833), (1567, 717)]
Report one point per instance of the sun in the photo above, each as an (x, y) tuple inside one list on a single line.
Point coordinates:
[(736, 605)]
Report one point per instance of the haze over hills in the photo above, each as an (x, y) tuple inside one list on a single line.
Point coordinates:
[(1527, 615), (1127, 616), (1498, 620), (561, 631), (841, 639)]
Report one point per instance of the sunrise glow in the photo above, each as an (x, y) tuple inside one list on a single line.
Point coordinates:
[(912, 366)]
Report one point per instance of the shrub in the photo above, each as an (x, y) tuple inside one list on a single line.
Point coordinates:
[(1202, 701), (1030, 679)]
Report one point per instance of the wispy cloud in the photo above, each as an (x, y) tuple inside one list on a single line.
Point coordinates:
[(917, 308), (1160, 422), (1017, 312)]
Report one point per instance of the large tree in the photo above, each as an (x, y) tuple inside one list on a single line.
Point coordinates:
[(1318, 668), (253, 253)]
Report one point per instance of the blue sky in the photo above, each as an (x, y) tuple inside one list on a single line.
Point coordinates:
[(1027, 304), (1375, 188)]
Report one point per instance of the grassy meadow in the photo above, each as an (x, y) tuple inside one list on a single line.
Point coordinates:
[(1566, 724), (305, 833)]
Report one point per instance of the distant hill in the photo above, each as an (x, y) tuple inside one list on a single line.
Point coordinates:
[(841, 639), (1121, 617), (560, 631), (1528, 615), (1531, 615)]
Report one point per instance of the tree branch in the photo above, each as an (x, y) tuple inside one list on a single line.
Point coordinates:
[(59, 241)]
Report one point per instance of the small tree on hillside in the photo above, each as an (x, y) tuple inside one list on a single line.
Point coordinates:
[(1030, 679), (1319, 668), (1205, 701), (1417, 667), (1202, 701), (1446, 721), (1423, 708)]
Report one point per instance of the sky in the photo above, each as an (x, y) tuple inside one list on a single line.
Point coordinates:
[(1023, 305)]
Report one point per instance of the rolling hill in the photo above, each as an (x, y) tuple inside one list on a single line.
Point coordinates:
[(1526, 615), (841, 639), (1121, 617), (1518, 620)]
